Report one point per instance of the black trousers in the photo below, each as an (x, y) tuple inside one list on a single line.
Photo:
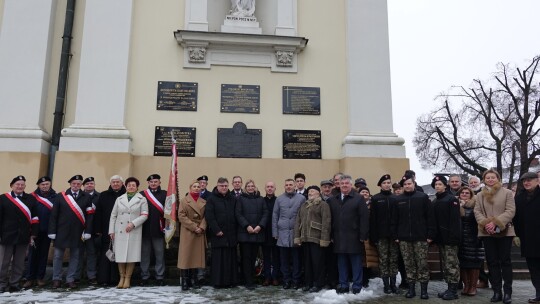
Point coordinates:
[(534, 270), (499, 262), (314, 265), (249, 256), (107, 271), (330, 270)]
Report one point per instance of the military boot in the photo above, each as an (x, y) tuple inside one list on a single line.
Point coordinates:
[(451, 294), (412, 290), (386, 283), (393, 286), (423, 291)]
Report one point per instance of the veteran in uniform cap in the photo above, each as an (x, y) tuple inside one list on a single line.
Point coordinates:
[(71, 222), (152, 231), (91, 246), (38, 254), (19, 225), (203, 182)]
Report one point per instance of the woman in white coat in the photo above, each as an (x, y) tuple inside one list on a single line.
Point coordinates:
[(130, 211)]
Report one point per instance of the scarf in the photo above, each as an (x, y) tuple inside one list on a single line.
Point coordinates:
[(194, 195), (489, 192), (130, 195)]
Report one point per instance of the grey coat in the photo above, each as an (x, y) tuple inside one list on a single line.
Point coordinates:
[(284, 218)]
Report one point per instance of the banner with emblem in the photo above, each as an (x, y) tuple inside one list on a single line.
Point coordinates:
[(171, 202)]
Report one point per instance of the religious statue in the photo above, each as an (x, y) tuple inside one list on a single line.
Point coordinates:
[(242, 8)]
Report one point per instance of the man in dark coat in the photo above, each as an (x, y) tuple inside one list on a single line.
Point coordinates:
[(39, 253), (270, 249), (527, 225), (70, 223), (153, 236), (350, 228), (107, 271), (19, 225), (91, 246), (222, 231)]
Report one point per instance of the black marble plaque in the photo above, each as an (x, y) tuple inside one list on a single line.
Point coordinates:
[(301, 144), (240, 98), (302, 100), (177, 96), (239, 142), (185, 141)]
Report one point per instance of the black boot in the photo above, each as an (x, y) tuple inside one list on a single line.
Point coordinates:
[(196, 282), (497, 296), (442, 293), (507, 299), (393, 286), (423, 291), (365, 277), (185, 280), (452, 292), (188, 278), (386, 283), (412, 290)]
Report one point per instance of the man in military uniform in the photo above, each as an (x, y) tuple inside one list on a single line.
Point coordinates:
[(90, 247), (203, 182), (38, 254), (153, 237), (71, 221), (19, 225)]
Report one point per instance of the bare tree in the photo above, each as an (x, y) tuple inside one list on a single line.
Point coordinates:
[(491, 124)]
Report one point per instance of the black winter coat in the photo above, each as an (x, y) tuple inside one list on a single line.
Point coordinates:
[(104, 209), (350, 223), (66, 225), (251, 211), (220, 216), (526, 223), (44, 209), (382, 205), (447, 219), (269, 240), (412, 218), (153, 226), (15, 226), (471, 253)]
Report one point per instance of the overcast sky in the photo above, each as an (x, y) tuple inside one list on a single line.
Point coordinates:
[(435, 44)]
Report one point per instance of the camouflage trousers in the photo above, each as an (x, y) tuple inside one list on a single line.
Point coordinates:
[(388, 251), (415, 256), (450, 263)]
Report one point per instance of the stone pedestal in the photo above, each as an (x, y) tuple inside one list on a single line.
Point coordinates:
[(241, 25)]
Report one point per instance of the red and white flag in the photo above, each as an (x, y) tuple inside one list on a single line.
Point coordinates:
[(171, 202)]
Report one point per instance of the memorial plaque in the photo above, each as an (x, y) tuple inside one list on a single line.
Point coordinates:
[(185, 141), (301, 144), (240, 98), (177, 96), (301, 100), (239, 142)]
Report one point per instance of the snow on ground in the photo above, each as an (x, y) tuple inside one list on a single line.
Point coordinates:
[(173, 294)]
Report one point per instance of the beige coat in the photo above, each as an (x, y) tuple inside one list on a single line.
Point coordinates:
[(127, 246), (495, 206), (191, 252)]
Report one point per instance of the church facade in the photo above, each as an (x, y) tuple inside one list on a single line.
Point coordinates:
[(260, 89)]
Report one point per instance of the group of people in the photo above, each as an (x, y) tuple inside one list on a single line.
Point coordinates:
[(310, 237)]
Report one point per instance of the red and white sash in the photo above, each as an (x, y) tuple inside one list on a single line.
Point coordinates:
[(24, 209), (74, 207), (45, 202), (153, 200)]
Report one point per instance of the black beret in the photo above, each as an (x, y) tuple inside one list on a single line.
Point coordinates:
[(43, 179), (88, 179), (383, 178), (153, 176), (16, 179), (204, 178), (404, 178), (360, 181), (528, 175), (313, 187), (76, 177), (439, 178), (327, 182)]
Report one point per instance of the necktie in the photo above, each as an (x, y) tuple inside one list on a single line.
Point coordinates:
[(237, 194), (74, 195)]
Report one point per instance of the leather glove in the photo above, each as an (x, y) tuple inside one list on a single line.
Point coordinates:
[(517, 241), (52, 236), (86, 236)]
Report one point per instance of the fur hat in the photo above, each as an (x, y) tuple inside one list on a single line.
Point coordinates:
[(313, 187)]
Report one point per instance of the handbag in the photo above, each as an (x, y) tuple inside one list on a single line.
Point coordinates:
[(110, 253)]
